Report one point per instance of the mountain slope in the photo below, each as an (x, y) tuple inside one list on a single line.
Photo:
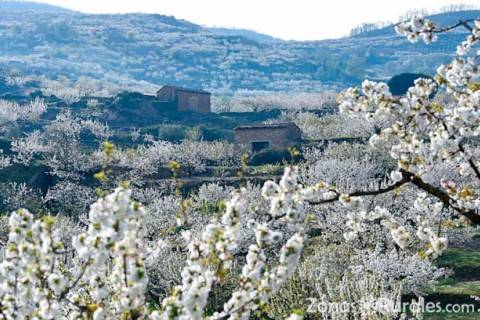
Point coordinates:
[(19, 6), (249, 34), (140, 49), (443, 19)]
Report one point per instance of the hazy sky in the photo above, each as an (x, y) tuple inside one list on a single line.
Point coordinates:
[(287, 19)]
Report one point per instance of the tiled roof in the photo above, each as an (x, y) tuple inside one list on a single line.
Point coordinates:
[(283, 125), (186, 89)]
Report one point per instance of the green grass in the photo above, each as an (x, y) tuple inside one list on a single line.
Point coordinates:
[(453, 287), (452, 316), (464, 283), (460, 258), (465, 262)]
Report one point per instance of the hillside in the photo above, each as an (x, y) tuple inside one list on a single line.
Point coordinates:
[(19, 6), (140, 49), (249, 34)]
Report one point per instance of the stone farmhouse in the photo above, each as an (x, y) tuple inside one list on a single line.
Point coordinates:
[(262, 137), (186, 100)]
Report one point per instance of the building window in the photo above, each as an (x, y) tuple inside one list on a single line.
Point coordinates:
[(258, 146)]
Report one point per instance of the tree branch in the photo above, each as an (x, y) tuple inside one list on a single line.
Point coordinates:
[(458, 24), (408, 177), (470, 214), (405, 179), (471, 162)]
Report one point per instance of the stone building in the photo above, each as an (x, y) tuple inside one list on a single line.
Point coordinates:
[(190, 100), (261, 137)]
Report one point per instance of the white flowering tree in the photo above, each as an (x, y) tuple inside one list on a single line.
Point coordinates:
[(70, 148), (248, 101), (106, 276), (425, 133), (13, 114)]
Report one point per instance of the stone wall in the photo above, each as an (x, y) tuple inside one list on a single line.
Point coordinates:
[(185, 99), (194, 102), (279, 138)]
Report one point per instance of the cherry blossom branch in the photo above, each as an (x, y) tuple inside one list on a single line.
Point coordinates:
[(460, 23), (405, 179), (63, 295), (472, 163), (408, 177), (472, 215)]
